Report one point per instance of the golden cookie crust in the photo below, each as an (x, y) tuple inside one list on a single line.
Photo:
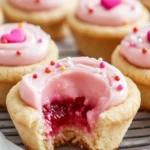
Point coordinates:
[(100, 41), (112, 124), (146, 3), (140, 76), (1, 16), (53, 22), (9, 76)]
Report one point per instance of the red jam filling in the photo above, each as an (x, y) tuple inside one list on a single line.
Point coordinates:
[(67, 112)]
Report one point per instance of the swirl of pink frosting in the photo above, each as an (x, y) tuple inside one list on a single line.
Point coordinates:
[(22, 46), (136, 47), (100, 83), (109, 12), (37, 5)]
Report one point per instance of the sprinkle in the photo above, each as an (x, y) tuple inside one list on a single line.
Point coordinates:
[(37, 1), (117, 78), (20, 25), (58, 65), (100, 59), (102, 65), (4, 41), (135, 29), (63, 68), (132, 7), (120, 87), (144, 50), (90, 10), (52, 63), (18, 53), (69, 64), (139, 39), (96, 70), (132, 44), (126, 22), (40, 40), (148, 36), (68, 58), (34, 76), (47, 70)]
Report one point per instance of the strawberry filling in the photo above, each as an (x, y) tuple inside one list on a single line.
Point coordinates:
[(67, 112)]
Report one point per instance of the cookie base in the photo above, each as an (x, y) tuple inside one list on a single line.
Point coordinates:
[(111, 125), (146, 3), (4, 89), (140, 76), (9, 76), (100, 41)]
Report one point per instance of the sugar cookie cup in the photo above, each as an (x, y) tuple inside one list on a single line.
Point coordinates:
[(146, 3), (50, 15), (98, 30), (1, 16), (21, 51), (94, 117), (132, 57)]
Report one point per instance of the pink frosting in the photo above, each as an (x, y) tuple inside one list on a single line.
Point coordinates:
[(24, 46), (136, 47), (37, 5), (101, 83), (109, 12)]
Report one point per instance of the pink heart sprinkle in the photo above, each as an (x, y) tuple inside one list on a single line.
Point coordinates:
[(15, 36), (109, 4), (148, 36)]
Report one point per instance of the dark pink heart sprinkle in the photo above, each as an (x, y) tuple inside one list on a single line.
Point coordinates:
[(15, 36), (148, 36), (109, 4)]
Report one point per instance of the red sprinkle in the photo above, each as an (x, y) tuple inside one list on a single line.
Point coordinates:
[(52, 63), (91, 10), (4, 41), (117, 78), (120, 87), (37, 1), (144, 50), (18, 53), (135, 29), (34, 76), (47, 70)]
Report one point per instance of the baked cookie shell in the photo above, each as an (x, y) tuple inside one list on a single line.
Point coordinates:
[(112, 125), (146, 3)]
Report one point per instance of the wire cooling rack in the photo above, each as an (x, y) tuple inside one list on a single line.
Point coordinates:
[(136, 138)]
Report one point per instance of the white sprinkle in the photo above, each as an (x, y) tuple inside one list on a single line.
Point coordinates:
[(115, 74), (69, 64), (69, 59), (140, 39), (96, 70), (38, 28), (100, 59)]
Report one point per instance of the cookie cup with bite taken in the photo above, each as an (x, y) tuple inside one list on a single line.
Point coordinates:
[(82, 100)]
